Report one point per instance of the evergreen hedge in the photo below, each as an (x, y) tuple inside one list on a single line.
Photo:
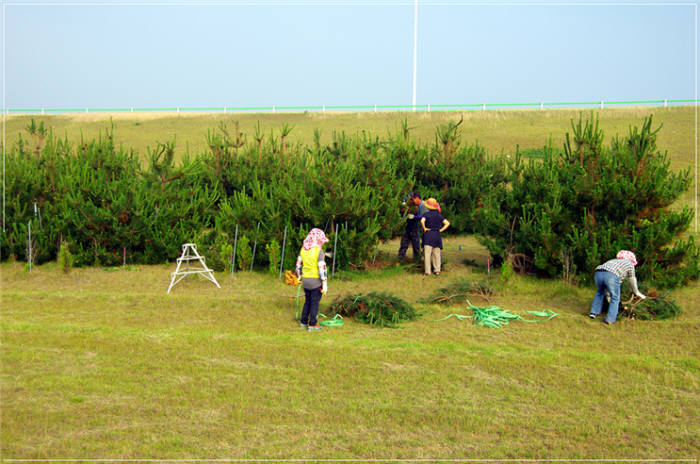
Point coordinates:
[(577, 206), (569, 211)]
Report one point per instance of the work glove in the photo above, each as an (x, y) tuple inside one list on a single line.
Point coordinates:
[(642, 296), (324, 287), (411, 216)]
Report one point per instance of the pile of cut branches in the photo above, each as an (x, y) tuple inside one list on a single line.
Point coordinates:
[(376, 308), (654, 307), (458, 291)]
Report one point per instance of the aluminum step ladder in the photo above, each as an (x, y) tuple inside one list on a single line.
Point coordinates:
[(184, 268)]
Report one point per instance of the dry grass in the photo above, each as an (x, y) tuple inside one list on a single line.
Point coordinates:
[(497, 131)]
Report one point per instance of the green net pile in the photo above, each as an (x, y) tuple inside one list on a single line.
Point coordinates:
[(376, 308), (497, 317)]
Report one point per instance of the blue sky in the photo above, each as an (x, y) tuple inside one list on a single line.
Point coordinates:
[(236, 54)]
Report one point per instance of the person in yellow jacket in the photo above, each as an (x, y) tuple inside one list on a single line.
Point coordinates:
[(311, 268)]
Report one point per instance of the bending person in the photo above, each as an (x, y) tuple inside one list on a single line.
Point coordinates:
[(609, 277)]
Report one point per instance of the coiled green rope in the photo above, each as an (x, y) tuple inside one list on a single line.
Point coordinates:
[(496, 317), (337, 320)]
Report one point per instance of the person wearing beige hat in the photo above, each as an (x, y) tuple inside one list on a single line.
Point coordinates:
[(433, 224)]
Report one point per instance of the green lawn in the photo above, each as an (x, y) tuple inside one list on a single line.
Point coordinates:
[(99, 364)]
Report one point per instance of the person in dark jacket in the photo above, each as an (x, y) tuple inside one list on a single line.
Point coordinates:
[(433, 224), (415, 207)]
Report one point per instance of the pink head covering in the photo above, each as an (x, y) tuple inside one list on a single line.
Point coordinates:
[(628, 255), (315, 238)]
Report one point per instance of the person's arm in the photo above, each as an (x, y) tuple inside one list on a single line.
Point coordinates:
[(422, 223), (633, 284), (322, 271), (445, 225), (297, 271)]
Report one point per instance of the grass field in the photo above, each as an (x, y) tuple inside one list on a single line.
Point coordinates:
[(105, 365), (496, 130), (101, 364)]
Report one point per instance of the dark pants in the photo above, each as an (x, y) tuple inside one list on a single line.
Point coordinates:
[(310, 311), (410, 237)]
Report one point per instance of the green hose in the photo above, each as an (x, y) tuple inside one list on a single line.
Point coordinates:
[(496, 317), (337, 320), (296, 317)]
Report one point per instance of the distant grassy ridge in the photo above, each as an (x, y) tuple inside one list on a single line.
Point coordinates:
[(497, 131), (100, 365)]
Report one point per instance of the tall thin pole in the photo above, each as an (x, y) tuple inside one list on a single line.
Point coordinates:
[(235, 245), (415, 50), (4, 116), (335, 249), (284, 244), (255, 245), (696, 117), (29, 245)]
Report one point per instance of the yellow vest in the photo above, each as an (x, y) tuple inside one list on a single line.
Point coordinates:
[(309, 259)]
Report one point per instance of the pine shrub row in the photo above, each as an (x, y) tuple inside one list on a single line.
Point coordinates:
[(561, 211)]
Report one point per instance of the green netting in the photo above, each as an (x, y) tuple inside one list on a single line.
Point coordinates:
[(496, 317)]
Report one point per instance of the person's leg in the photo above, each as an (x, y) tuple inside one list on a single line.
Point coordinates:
[(428, 253), (415, 242), (315, 296), (405, 242), (597, 305), (403, 247), (613, 286), (437, 259), (305, 311)]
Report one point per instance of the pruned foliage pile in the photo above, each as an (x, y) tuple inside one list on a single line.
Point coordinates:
[(458, 291), (654, 307), (376, 308)]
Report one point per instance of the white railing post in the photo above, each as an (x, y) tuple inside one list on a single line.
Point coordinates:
[(601, 104), (483, 108), (541, 106), (428, 107), (375, 108), (665, 103)]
